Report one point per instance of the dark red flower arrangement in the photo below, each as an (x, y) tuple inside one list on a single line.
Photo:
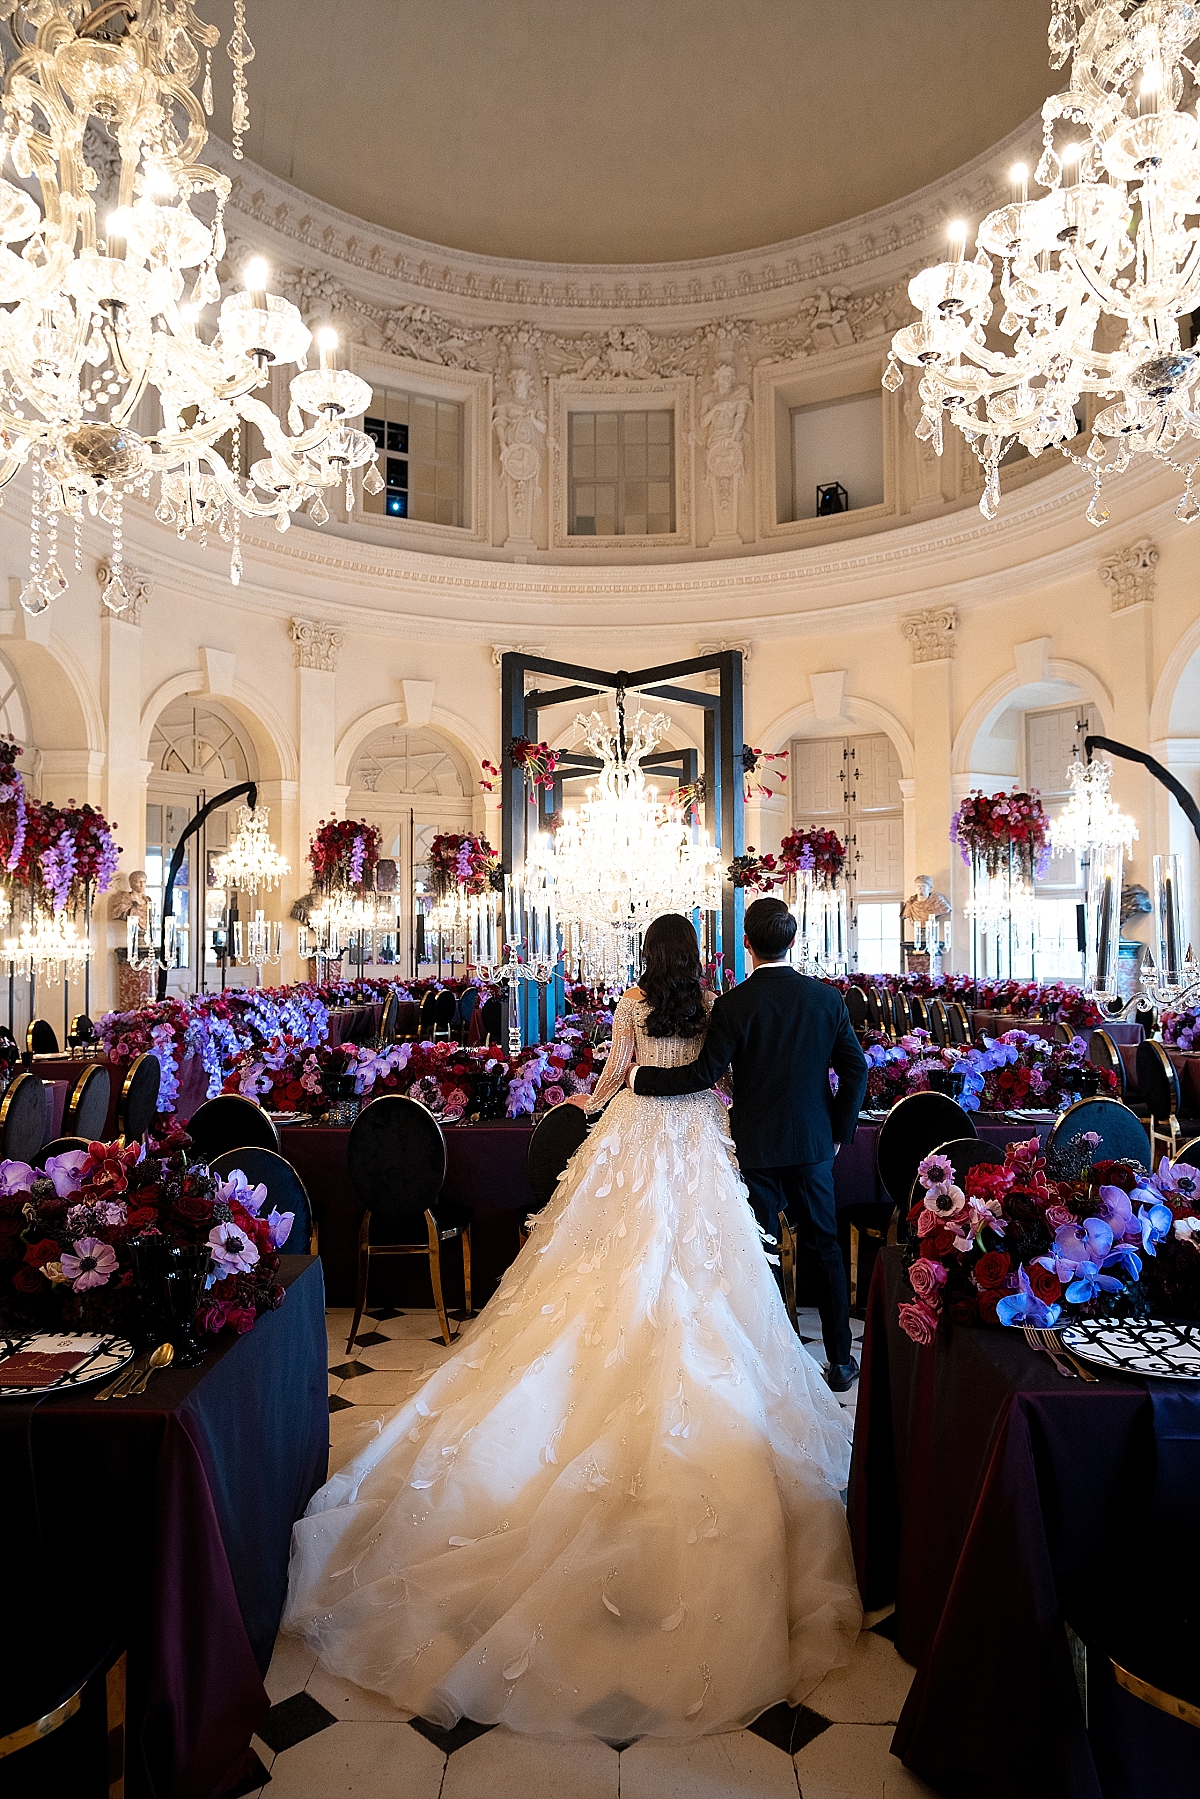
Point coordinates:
[(343, 853), (467, 862)]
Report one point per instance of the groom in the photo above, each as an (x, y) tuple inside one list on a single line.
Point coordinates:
[(781, 1032)]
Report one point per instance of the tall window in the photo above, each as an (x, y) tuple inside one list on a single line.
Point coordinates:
[(622, 474), (420, 443), (851, 785), (1052, 738)]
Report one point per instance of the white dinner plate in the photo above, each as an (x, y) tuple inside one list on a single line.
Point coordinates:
[(104, 1355), (1138, 1346)]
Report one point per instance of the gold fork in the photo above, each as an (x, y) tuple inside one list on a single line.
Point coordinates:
[(1034, 1339), (1054, 1341)]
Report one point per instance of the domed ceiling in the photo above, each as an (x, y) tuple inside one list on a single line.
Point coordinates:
[(629, 130)]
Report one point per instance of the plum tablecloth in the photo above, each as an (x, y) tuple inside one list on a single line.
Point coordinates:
[(176, 1511), (989, 1498)]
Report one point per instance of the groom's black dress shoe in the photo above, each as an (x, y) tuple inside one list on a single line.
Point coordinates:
[(841, 1376)]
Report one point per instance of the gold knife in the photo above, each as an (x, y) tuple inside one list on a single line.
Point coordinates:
[(127, 1373)]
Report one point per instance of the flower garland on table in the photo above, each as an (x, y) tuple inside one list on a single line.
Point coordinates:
[(1019, 1070), (988, 826), (67, 1234), (12, 805), (912, 1065), (815, 851), (463, 862), (1019, 1244), (1053, 1001), (343, 853)]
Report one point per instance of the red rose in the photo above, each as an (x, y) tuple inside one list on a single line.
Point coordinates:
[(992, 1270), (28, 1280), (141, 1218), (38, 1254), (963, 1311), (1045, 1283), (194, 1209)]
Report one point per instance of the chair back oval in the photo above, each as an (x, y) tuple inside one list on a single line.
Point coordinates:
[(286, 1192), (82, 1030), (468, 1000), (1121, 1132), (1103, 1053), (1063, 1032), (551, 1147), (59, 1146), (958, 1023), (964, 1153), (230, 1121), (445, 1009), (389, 1019), (41, 1038), (875, 1013), (87, 1107), (490, 1019), (918, 1011), (902, 1018), (139, 1098), (912, 1130), (939, 1024), (22, 1119), (396, 1160), (426, 1017), (1189, 1152), (856, 1006), (1158, 1083)]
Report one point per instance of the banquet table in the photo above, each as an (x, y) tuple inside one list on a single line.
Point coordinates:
[(485, 1171), (996, 1023), (177, 1509), (1187, 1067), (354, 1024), (990, 1498)]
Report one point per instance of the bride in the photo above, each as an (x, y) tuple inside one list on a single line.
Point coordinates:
[(613, 1511)]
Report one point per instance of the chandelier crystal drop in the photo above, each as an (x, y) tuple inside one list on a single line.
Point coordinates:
[(251, 861), (1095, 274), (48, 946), (107, 299), (624, 856), (1091, 818)]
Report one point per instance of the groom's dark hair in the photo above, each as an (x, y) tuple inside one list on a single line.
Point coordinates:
[(769, 928)]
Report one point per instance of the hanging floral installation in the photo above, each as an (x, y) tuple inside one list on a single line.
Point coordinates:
[(66, 852), (817, 853), (537, 761), (754, 762), (994, 830), (343, 854), (12, 805), (461, 863)]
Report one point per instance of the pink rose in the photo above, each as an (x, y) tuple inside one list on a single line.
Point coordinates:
[(926, 1222), (925, 1277), (241, 1319), (1057, 1217), (918, 1322), (554, 1096)]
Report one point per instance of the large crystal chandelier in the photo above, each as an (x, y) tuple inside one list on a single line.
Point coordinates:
[(50, 946), (251, 861), (1091, 817), (1095, 274), (101, 304), (624, 856)]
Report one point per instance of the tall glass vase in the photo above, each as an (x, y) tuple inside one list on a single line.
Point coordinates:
[(1169, 914), (1103, 921)]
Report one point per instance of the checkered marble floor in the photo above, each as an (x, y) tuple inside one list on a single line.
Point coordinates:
[(324, 1738)]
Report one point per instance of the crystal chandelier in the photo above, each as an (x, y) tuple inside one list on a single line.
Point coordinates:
[(1091, 817), (624, 856), (251, 861), (1095, 274), (100, 308), (48, 945)]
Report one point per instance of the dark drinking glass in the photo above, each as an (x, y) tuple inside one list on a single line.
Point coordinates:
[(187, 1270), (149, 1254)]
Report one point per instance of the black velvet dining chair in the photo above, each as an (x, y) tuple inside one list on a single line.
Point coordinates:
[(62, 1702), (138, 1104), (939, 1023), (58, 1146), (388, 1020), (957, 1022), (230, 1121), (554, 1141), (445, 1011), (396, 1160), (912, 1130), (86, 1111), (856, 1006), (1158, 1088), (41, 1038), (918, 1012), (1122, 1135), (22, 1118)]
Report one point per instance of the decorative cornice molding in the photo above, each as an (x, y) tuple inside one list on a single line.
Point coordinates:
[(500, 650), (138, 585), (317, 643), (931, 633), (712, 678), (1130, 575)]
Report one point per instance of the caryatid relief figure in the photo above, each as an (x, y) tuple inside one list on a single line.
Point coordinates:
[(723, 429), (520, 425)]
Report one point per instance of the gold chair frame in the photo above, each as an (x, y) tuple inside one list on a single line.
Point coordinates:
[(432, 1249)]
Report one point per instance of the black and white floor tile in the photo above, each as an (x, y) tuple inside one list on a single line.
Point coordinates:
[(325, 1738)]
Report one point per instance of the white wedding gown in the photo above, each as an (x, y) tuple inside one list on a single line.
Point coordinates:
[(614, 1510)]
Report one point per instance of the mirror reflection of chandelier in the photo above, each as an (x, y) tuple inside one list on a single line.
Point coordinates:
[(348, 921), (101, 303), (624, 856), (1095, 274), (48, 946), (251, 861)]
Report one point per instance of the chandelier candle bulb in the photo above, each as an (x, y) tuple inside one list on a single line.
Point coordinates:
[(256, 283), (327, 344)]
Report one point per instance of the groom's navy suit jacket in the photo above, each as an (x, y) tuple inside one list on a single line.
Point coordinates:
[(780, 1032)]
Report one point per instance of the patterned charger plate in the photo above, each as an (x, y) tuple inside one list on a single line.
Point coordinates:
[(1146, 1346), (57, 1362)]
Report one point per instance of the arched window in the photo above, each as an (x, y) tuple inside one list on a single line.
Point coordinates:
[(851, 785), (14, 719), (403, 762)]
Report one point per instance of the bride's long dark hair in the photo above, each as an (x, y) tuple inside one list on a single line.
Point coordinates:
[(670, 978)]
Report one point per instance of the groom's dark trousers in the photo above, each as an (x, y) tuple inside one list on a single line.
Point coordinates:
[(781, 1032)]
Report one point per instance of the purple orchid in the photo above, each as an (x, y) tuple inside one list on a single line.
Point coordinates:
[(1024, 1306), (237, 1187), (66, 1171), (16, 1177), (280, 1225)]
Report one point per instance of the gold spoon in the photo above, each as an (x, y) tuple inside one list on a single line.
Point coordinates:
[(163, 1356)]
